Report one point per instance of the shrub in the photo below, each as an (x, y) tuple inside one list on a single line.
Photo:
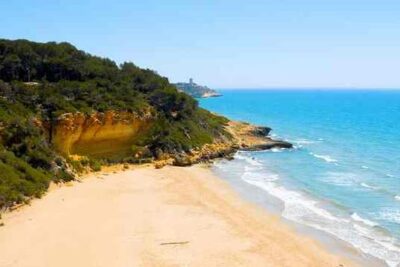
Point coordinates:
[(95, 165)]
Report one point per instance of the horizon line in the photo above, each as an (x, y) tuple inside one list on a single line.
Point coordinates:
[(309, 88)]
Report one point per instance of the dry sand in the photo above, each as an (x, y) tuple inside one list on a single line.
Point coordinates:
[(147, 217)]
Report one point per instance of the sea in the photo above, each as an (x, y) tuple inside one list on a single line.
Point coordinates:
[(342, 178)]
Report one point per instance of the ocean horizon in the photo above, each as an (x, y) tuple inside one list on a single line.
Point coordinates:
[(307, 89), (343, 175)]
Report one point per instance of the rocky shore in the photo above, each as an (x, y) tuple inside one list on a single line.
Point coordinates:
[(252, 138), (245, 136)]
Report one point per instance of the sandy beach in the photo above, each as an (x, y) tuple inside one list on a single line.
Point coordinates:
[(147, 217)]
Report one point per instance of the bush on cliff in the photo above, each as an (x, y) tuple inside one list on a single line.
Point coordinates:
[(41, 81)]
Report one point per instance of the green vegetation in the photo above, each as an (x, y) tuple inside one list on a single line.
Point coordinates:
[(40, 81)]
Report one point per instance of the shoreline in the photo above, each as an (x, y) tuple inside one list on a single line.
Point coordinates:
[(272, 205), (147, 217)]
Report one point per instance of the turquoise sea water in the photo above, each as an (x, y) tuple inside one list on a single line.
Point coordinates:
[(343, 177)]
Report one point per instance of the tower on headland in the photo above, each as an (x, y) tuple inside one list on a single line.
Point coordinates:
[(195, 90)]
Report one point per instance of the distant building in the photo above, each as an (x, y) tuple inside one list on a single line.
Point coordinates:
[(191, 80)]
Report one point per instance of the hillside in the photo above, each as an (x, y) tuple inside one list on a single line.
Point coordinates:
[(63, 110), (195, 90)]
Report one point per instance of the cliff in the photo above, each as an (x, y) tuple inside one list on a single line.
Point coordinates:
[(244, 136), (113, 134), (252, 138), (99, 135)]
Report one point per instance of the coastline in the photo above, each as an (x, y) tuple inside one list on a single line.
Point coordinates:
[(148, 217), (348, 197), (275, 207)]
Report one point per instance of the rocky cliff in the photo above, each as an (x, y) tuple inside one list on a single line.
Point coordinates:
[(250, 137), (244, 136), (112, 134), (109, 134)]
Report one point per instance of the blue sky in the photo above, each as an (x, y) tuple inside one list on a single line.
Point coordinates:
[(227, 43)]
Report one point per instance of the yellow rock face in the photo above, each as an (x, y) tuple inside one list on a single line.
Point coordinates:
[(109, 134)]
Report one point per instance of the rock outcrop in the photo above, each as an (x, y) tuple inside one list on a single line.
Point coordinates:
[(252, 138), (244, 137), (108, 134)]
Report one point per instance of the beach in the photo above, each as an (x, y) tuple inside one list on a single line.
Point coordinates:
[(144, 216)]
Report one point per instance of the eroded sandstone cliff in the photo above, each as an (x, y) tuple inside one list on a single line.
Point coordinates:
[(109, 134)]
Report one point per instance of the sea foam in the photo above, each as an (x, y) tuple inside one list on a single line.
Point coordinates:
[(249, 160), (276, 150), (390, 214), (358, 218), (369, 186), (327, 158), (304, 142), (340, 178)]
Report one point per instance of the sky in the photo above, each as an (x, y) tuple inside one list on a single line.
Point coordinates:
[(227, 43)]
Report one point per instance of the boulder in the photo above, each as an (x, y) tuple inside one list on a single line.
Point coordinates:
[(261, 131), (182, 161), (268, 145)]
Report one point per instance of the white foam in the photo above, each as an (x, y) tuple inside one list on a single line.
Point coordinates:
[(390, 214), (291, 198), (249, 160), (300, 143), (369, 186), (251, 176), (304, 142), (358, 218), (340, 178), (397, 197), (324, 157), (364, 167), (276, 150)]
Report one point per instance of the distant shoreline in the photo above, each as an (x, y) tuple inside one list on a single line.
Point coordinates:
[(322, 89)]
